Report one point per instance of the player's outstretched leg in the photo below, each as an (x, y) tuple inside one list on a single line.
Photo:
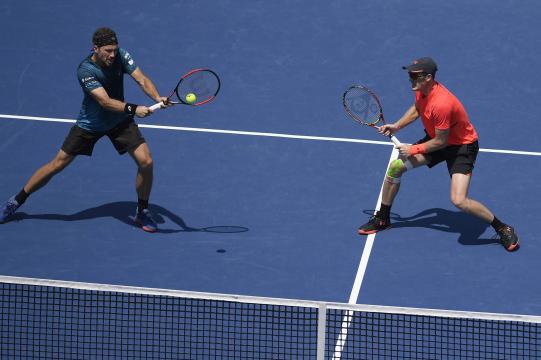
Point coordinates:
[(39, 179), (459, 197)]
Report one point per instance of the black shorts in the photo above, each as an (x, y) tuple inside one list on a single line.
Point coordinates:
[(460, 158), (125, 137)]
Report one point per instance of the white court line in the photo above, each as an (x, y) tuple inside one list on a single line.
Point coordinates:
[(220, 131), (346, 321), (369, 243), (252, 133), (354, 295)]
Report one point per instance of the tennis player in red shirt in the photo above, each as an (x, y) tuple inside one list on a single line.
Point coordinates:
[(450, 137)]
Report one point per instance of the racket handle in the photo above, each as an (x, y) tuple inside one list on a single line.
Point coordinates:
[(156, 106), (395, 140)]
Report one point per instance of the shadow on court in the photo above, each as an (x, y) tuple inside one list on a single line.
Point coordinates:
[(468, 227), (124, 211)]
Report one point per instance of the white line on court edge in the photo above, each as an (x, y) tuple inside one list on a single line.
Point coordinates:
[(369, 243), (220, 131), (251, 133), (354, 295)]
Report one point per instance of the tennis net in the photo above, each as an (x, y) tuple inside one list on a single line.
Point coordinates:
[(50, 319)]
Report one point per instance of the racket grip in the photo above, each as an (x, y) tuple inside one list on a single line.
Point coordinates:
[(395, 140), (156, 106)]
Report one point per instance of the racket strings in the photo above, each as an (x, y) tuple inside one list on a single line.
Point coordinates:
[(203, 84), (362, 105)]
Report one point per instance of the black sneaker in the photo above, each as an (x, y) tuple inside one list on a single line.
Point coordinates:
[(144, 219), (374, 225), (508, 238)]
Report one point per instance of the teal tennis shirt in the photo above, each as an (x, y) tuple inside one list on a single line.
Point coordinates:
[(92, 116)]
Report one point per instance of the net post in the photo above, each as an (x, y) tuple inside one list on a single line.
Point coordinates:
[(321, 326)]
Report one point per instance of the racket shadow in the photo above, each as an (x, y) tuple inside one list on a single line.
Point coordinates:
[(466, 226), (124, 211)]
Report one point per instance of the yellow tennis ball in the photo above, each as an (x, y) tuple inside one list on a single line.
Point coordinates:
[(190, 98)]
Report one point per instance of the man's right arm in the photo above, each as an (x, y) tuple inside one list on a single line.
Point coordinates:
[(101, 96), (409, 116)]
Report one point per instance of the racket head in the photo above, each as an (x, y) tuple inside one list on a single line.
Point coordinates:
[(362, 105), (203, 83)]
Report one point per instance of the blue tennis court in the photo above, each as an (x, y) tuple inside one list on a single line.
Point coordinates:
[(260, 192)]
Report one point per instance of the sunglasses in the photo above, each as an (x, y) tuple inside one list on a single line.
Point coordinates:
[(417, 75)]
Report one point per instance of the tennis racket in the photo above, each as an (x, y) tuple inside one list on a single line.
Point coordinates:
[(203, 83), (363, 106)]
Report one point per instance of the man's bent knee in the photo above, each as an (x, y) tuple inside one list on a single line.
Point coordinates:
[(460, 202), (396, 169), (146, 163)]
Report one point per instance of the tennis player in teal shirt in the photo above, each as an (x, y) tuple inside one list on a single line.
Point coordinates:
[(104, 112), (91, 76)]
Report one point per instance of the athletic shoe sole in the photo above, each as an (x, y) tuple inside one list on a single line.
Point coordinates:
[(363, 232), (146, 228), (512, 247)]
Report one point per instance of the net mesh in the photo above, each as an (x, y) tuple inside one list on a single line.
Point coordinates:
[(50, 322), (410, 336), (60, 322)]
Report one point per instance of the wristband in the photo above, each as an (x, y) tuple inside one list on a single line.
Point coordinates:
[(130, 109), (417, 149)]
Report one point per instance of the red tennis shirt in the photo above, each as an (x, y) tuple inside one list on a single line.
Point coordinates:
[(442, 110)]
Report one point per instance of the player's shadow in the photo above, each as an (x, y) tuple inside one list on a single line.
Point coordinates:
[(467, 226), (124, 211)]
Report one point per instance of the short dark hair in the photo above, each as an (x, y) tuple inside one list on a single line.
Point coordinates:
[(104, 36)]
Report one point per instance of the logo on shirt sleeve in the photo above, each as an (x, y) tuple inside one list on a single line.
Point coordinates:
[(128, 58), (89, 82)]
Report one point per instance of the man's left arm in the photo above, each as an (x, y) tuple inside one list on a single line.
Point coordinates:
[(438, 142), (147, 85)]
